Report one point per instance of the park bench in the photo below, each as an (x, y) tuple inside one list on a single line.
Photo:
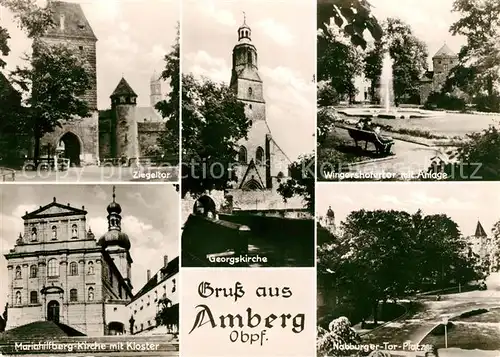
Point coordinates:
[(382, 146)]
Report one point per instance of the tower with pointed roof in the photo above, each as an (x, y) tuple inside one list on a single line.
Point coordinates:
[(155, 89), (485, 247), (124, 132), (443, 62), (261, 163)]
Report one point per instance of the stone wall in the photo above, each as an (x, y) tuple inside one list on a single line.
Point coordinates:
[(86, 130), (283, 233), (127, 140), (149, 132)]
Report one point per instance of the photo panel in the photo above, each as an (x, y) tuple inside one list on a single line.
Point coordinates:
[(407, 92), (248, 312), (408, 269), (91, 90), (248, 116), (89, 270)]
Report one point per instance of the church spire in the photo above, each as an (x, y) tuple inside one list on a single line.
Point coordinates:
[(114, 236)]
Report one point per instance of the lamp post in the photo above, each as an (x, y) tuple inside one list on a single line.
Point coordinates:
[(445, 323)]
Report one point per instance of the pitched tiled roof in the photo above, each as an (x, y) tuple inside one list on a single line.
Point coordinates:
[(75, 24), (445, 51)]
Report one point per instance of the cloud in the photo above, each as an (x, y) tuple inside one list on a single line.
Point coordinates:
[(279, 33), (202, 64), (223, 17), (390, 199)]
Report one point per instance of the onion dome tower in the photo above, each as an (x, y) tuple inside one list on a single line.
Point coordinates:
[(115, 242), (114, 236)]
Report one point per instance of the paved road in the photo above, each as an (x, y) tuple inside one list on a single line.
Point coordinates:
[(409, 158), (100, 174)]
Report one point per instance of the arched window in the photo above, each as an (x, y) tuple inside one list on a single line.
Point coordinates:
[(173, 286), (250, 59), (73, 268), (259, 156), (33, 234), (91, 268), (250, 92), (73, 295), (52, 268), (74, 231), (18, 273), (242, 155), (18, 298), (33, 297), (91, 294), (54, 232), (33, 271)]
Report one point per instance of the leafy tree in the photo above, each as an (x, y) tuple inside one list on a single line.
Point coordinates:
[(169, 108), (301, 181), (339, 333), (54, 82), (476, 159), (4, 46), (327, 95), (342, 25), (325, 123), (353, 16), (339, 62), (373, 68), (409, 56), (167, 315), (213, 121), (480, 23)]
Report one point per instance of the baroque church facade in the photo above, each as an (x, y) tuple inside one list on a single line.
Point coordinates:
[(124, 131), (58, 271)]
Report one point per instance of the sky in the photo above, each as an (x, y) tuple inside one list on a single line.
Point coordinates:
[(430, 20), (284, 33), (133, 38), (464, 202), (150, 217)]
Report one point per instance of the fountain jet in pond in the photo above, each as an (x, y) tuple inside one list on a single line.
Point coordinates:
[(386, 90)]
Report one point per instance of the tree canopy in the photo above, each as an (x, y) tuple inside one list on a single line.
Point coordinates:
[(301, 181), (213, 121), (384, 255), (52, 81), (409, 56), (353, 16), (479, 22), (169, 107)]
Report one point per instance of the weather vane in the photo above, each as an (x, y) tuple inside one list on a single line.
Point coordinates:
[(244, 17), (114, 189)]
